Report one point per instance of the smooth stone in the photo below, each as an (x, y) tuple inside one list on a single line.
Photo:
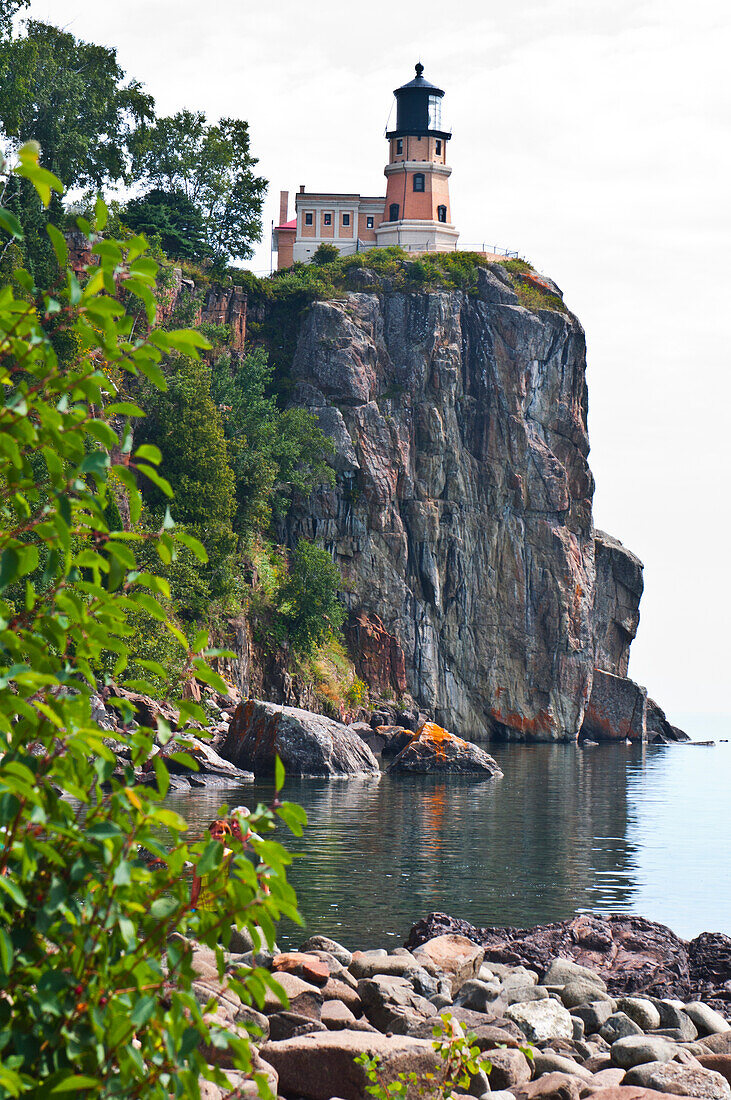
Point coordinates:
[(633, 1050), (457, 957), (552, 1086), (689, 1081), (578, 1025), (721, 1063), (643, 1012), (672, 1015), (599, 1062), (326, 1062), (580, 992), (562, 971), (706, 1019), (675, 1033), (593, 1015), (335, 990), (366, 964), (547, 1062), (720, 1043), (477, 995), (541, 1020), (335, 1015), (391, 1004), (304, 998), (307, 967), (324, 943), (426, 984), (604, 1079), (522, 993), (286, 1025), (519, 977), (509, 1068), (619, 1026)]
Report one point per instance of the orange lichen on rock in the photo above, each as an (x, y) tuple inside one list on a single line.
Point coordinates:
[(543, 722), (433, 748)]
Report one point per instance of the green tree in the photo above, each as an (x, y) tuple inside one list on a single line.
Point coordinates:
[(212, 165), (273, 454), (97, 997), (185, 425), (8, 8), (71, 97), (174, 218), (309, 598), (325, 254)]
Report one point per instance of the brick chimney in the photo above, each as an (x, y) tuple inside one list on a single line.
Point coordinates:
[(283, 207)]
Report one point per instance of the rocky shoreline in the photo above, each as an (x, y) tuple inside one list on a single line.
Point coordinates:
[(545, 1024)]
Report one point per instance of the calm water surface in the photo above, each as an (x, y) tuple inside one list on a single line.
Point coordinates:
[(637, 829)]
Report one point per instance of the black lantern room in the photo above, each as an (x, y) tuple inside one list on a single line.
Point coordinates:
[(418, 109)]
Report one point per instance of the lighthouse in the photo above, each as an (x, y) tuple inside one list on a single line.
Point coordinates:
[(417, 213)]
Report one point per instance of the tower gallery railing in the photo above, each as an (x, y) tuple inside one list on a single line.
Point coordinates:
[(429, 246)]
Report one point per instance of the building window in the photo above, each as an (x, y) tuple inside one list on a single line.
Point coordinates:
[(308, 219), (419, 181), (393, 212), (327, 219), (399, 146), (369, 222), (346, 219), (441, 213), (438, 149)]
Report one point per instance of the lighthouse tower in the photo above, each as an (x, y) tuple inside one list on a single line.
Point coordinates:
[(417, 214)]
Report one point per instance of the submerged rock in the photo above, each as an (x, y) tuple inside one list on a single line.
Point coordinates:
[(434, 749), (307, 743)]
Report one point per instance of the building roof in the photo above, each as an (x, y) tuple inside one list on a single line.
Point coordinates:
[(419, 83), (288, 225)]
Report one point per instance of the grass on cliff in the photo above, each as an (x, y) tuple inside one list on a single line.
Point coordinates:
[(276, 304), (339, 692)]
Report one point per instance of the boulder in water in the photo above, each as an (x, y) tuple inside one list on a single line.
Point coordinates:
[(307, 743), (434, 749)]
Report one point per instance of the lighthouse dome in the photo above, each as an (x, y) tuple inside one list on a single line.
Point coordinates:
[(418, 108)]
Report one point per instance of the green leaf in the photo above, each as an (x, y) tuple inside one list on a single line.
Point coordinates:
[(211, 858), (155, 478), (6, 951), (96, 462), (278, 774), (162, 908), (12, 889), (100, 214), (162, 775), (10, 224), (151, 453), (172, 820), (58, 242), (193, 544), (9, 567), (74, 1082)]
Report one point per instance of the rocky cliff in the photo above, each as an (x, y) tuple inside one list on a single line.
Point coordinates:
[(462, 514)]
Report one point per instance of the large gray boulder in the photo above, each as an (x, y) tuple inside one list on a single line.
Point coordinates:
[(307, 743)]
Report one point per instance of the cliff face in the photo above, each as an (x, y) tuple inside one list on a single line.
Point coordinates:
[(462, 514)]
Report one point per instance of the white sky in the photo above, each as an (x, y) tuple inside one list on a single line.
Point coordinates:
[(591, 136)]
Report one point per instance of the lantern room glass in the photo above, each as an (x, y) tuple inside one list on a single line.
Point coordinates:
[(435, 112)]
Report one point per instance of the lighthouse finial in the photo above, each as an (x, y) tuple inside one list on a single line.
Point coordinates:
[(419, 68)]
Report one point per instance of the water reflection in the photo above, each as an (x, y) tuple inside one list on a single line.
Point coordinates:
[(549, 839)]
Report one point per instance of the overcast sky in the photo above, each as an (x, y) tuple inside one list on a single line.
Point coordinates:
[(592, 137)]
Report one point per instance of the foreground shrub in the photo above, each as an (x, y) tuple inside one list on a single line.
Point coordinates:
[(93, 1001)]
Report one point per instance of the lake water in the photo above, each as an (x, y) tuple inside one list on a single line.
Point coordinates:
[(614, 828)]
